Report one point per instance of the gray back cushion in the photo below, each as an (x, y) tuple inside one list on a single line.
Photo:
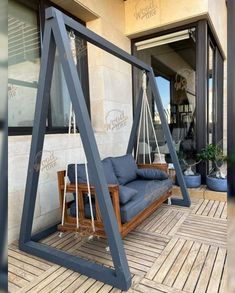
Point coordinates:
[(125, 168), (81, 171)]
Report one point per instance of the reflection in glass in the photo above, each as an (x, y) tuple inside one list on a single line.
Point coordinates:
[(211, 109), (174, 63), (24, 63)]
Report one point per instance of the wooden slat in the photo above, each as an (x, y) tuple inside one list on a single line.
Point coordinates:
[(213, 209), (153, 271), (220, 209), (66, 283), (216, 275), (206, 271), (194, 270), (161, 287), (176, 267), (165, 267), (28, 260), (175, 250), (186, 268), (76, 284), (224, 282)]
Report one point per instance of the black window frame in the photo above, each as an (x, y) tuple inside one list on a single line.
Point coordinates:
[(40, 6)]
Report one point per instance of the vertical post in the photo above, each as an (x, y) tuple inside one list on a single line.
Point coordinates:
[(201, 90), (90, 148), (231, 98), (41, 110), (135, 125), (186, 199)]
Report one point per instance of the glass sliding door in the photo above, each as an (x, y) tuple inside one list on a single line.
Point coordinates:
[(211, 105), (173, 59)]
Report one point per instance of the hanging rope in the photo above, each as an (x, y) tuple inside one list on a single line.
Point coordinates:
[(145, 117), (73, 130)]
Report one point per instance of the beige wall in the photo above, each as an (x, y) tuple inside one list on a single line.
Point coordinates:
[(110, 93), (145, 16), (111, 111)]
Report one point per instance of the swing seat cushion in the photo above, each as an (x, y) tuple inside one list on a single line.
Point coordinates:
[(125, 168), (148, 192), (81, 173), (151, 174)]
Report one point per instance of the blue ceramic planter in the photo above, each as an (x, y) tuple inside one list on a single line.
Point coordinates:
[(193, 181), (216, 184)]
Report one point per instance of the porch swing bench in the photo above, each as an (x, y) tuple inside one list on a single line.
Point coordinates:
[(136, 192)]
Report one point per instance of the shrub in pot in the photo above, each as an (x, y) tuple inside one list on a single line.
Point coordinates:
[(188, 164), (217, 178)]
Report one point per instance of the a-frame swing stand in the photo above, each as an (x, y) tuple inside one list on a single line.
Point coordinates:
[(55, 35)]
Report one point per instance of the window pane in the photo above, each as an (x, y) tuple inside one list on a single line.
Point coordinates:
[(60, 98), (211, 108), (24, 63)]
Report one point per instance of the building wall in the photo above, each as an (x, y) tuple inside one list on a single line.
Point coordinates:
[(148, 16), (110, 94), (111, 112)]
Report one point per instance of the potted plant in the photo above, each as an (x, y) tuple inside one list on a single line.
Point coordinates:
[(217, 178), (188, 165)]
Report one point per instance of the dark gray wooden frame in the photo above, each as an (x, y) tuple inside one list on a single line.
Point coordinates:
[(231, 98), (55, 36)]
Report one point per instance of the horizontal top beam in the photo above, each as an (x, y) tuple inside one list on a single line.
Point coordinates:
[(97, 40)]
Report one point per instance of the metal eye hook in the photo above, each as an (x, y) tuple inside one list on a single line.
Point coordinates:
[(72, 35)]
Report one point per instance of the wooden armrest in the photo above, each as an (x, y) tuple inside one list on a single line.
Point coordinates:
[(163, 166), (83, 188)]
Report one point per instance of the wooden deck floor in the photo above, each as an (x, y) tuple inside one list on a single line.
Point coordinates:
[(175, 250)]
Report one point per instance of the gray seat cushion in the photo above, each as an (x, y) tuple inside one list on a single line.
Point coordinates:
[(151, 174), (150, 190), (125, 168), (132, 208), (126, 193), (108, 171)]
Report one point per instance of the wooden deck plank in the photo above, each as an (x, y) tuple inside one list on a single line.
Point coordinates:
[(213, 209), (208, 208), (199, 256), (224, 282), (220, 209), (17, 280), (158, 286), (28, 260), (153, 271), (66, 283), (217, 272), (12, 288), (206, 270), (21, 273), (105, 289), (175, 250), (76, 284), (187, 266), (25, 267), (40, 279), (165, 267), (175, 269), (202, 207)]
